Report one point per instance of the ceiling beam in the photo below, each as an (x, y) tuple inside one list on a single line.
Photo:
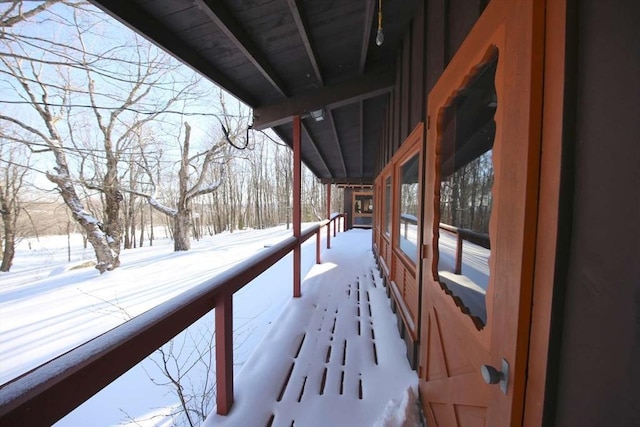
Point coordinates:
[(350, 182), (368, 21), (139, 21), (305, 129), (362, 87), (229, 25), (336, 138), (303, 29)]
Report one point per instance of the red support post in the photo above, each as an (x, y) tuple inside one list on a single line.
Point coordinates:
[(297, 197), (329, 216), (224, 353), (458, 269), (318, 260)]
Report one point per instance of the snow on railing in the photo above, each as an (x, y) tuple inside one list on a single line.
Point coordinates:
[(47, 393)]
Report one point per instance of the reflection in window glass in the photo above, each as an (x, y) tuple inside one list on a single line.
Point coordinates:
[(362, 210), (466, 175), (409, 209), (364, 204), (387, 206)]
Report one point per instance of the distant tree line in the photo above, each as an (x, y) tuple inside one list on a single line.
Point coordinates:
[(465, 195)]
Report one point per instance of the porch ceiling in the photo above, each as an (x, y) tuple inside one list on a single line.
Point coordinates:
[(287, 57)]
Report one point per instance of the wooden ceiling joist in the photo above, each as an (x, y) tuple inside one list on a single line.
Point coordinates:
[(303, 30), (336, 138), (137, 19), (287, 138), (228, 24), (330, 97), (368, 21), (314, 144)]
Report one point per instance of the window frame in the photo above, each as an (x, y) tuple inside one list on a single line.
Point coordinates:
[(413, 146)]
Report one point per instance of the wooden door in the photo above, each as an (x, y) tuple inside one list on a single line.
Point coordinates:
[(485, 107)]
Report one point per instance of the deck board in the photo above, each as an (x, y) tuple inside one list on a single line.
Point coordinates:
[(333, 357)]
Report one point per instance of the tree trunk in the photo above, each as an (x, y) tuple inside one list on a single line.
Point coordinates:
[(151, 235), (9, 249), (106, 258), (113, 197), (182, 225)]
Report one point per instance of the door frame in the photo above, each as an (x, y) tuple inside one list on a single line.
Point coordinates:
[(510, 25)]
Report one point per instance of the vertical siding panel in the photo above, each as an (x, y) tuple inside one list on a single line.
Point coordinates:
[(462, 15), (436, 39), (392, 112), (418, 93), (397, 107), (406, 87)]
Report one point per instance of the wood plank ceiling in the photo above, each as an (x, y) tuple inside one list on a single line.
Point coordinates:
[(287, 57)]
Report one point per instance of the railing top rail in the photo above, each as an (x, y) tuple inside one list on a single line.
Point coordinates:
[(479, 239), (50, 391)]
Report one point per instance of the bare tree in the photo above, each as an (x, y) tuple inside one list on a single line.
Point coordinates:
[(14, 166), (17, 10), (123, 86), (195, 178)]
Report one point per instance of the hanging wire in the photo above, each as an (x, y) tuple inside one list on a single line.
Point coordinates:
[(272, 140), (225, 131)]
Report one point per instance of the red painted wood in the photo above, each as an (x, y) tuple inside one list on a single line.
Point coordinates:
[(49, 392), (318, 260), (458, 269), (224, 353), (452, 348), (297, 209)]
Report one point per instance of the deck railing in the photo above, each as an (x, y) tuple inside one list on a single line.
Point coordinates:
[(468, 235), (47, 393)]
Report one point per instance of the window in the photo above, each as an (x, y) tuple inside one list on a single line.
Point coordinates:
[(364, 204), (362, 209), (465, 170), (387, 206), (408, 222)]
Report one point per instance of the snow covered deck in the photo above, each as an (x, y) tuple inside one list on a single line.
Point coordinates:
[(334, 356)]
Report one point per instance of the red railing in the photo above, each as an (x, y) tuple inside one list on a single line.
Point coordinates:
[(47, 393), (468, 235)]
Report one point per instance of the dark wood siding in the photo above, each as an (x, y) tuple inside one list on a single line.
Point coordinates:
[(436, 32), (599, 338), (348, 206), (417, 103), (407, 89)]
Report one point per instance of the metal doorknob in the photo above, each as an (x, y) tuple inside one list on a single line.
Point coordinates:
[(491, 375)]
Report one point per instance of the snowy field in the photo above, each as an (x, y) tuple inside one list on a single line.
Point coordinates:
[(47, 308)]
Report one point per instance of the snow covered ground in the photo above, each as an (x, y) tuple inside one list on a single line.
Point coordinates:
[(335, 357), (46, 308)]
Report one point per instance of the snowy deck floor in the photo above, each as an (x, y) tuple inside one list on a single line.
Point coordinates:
[(334, 357)]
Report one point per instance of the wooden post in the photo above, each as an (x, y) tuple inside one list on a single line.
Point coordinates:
[(318, 260), (329, 216), (458, 269), (297, 196), (224, 353)]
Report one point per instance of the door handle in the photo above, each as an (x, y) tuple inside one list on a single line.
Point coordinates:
[(491, 375)]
